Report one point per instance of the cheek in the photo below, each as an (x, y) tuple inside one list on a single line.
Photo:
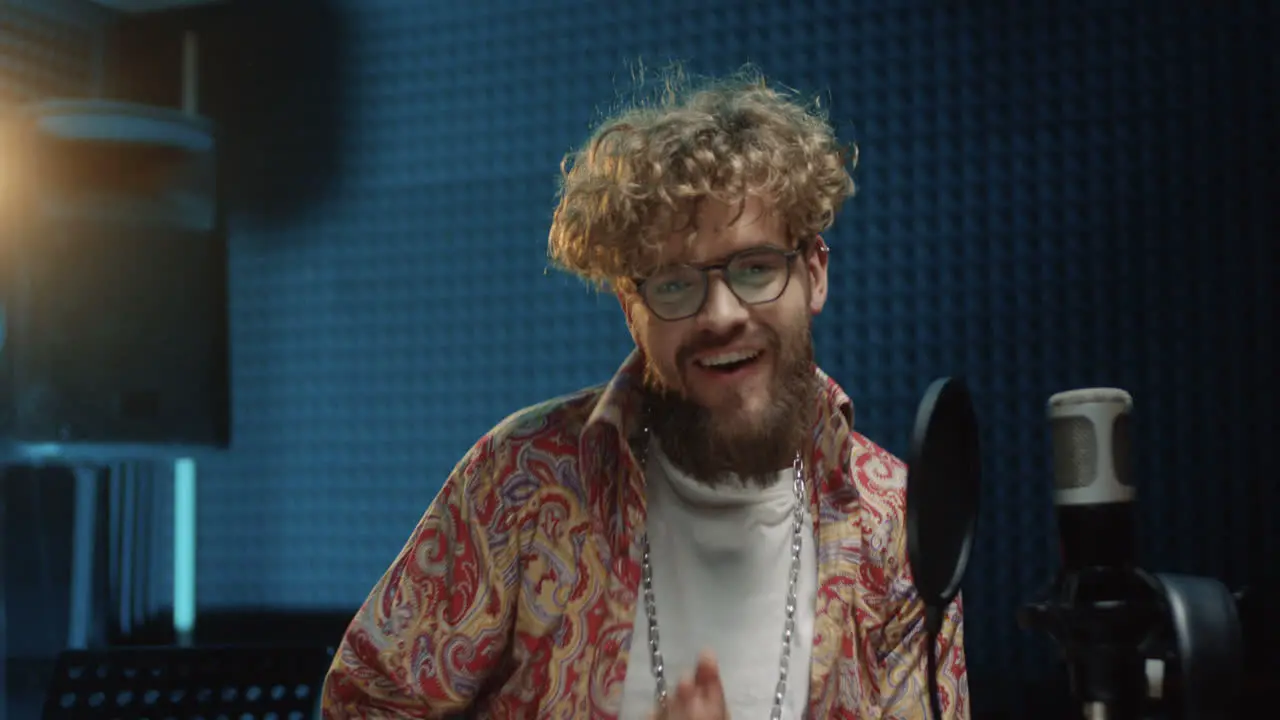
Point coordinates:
[(661, 348), (660, 345), (781, 317)]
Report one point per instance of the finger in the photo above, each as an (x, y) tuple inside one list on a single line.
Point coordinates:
[(686, 690), (710, 686), (711, 704), (708, 707), (707, 673)]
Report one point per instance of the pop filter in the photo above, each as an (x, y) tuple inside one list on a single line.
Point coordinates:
[(944, 474)]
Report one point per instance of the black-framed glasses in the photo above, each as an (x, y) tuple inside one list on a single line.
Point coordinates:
[(755, 276)]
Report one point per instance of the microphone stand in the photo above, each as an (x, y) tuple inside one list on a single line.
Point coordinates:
[(1107, 622), (1141, 644)]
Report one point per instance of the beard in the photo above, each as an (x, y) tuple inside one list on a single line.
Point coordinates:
[(712, 444)]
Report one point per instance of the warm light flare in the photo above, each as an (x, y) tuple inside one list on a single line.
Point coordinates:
[(7, 192), (12, 157), (7, 159)]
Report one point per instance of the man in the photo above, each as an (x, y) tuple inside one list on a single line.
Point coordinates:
[(705, 536)]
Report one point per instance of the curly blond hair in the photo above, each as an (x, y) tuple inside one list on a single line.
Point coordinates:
[(640, 176)]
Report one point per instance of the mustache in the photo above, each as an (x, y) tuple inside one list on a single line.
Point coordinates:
[(707, 341)]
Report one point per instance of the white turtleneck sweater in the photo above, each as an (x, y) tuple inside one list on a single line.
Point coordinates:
[(720, 558)]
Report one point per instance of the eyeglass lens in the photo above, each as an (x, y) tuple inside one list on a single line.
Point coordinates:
[(757, 276)]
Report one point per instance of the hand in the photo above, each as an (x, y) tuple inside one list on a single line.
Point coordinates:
[(699, 696)]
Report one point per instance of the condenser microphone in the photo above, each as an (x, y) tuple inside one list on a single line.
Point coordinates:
[(1105, 607), (1133, 641), (1093, 492)]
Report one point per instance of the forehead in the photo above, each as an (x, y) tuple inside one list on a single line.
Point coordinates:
[(718, 229)]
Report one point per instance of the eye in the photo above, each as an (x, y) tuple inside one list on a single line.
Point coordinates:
[(668, 287)]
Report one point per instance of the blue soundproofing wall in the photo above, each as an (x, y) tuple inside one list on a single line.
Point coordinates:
[(1052, 196)]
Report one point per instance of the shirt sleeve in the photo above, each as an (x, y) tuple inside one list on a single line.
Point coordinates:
[(905, 683), (436, 625), (904, 678)]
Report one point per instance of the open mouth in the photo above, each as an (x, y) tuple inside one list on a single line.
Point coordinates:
[(729, 362)]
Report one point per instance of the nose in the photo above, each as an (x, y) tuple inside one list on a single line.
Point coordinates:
[(723, 310)]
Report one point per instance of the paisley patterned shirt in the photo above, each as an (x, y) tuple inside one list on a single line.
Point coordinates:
[(515, 595)]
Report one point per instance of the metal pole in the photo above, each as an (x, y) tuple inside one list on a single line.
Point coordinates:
[(84, 533), (184, 470), (184, 551), (190, 74)]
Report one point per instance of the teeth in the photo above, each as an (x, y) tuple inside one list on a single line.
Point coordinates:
[(727, 358)]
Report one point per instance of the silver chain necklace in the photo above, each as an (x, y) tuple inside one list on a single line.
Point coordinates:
[(651, 606)]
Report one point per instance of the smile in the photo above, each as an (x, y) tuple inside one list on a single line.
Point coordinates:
[(728, 360)]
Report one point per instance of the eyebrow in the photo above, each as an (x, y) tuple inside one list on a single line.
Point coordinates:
[(722, 259), (762, 245)]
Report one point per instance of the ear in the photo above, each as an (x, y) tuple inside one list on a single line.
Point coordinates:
[(816, 266)]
